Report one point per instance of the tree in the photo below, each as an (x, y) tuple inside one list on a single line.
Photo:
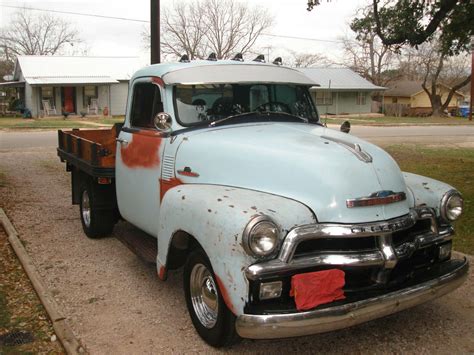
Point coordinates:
[(36, 35), (7, 63), (434, 67), (401, 23), (414, 22), (224, 27), (307, 60)]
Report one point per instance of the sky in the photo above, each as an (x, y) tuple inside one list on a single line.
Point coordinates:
[(108, 37)]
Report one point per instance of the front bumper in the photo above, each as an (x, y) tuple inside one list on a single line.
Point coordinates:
[(270, 326)]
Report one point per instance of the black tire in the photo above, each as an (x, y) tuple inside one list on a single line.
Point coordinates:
[(96, 222), (222, 332)]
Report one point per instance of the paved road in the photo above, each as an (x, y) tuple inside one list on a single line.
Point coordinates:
[(463, 135)]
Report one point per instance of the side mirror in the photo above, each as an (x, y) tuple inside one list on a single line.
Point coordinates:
[(162, 122), (346, 127)]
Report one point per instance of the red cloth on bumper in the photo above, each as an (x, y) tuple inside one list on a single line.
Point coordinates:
[(315, 288)]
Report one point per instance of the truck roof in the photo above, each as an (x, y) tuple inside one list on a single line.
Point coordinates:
[(222, 72)]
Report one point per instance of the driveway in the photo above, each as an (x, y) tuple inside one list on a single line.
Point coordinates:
[(115, 303)]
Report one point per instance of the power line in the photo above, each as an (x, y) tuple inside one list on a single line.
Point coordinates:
[(146, 21), (302, 38), (75, 13)]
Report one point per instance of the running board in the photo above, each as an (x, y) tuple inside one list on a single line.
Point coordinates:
[(140, 243)]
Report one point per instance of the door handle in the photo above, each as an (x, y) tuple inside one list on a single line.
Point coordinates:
[(121, 141)]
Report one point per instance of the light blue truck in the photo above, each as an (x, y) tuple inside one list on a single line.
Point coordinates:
[(284, 227)]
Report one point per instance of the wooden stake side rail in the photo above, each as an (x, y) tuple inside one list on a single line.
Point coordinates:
[(92, 151)]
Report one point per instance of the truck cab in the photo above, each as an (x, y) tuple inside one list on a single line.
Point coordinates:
[(284, 227)]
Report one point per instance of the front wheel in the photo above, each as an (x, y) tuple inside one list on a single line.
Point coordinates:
[(211, 317), (96, 222)]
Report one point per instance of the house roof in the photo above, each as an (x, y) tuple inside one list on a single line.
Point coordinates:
[(408, 88), (75, 70), (339, 79), (404, 88)]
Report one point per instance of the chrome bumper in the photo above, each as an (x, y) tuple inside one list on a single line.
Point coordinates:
[(338, 317)]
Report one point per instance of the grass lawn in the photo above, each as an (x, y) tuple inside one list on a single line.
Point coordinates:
[(454, 166), (57, 122), (395, 121)]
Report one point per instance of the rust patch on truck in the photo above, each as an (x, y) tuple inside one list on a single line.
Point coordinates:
[(142, 151), (162, 273), (165, 185), (225, 295)]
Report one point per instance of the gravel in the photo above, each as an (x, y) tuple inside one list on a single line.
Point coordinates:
[(116, 304)]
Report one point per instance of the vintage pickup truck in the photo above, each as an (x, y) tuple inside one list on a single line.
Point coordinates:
[(284, 226)]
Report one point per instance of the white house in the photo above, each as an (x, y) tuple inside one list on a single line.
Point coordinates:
[(50, 85), (341, 91)]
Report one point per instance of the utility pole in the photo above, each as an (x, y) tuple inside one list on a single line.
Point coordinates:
[(471, 106), (472, 76), (155, 31)]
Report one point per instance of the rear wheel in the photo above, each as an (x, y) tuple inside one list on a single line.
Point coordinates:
[(213, 321), (97, 222)]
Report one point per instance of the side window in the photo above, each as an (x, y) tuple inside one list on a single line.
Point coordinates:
[(146, 103)]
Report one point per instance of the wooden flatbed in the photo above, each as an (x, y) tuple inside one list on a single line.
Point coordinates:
[(91, 151)]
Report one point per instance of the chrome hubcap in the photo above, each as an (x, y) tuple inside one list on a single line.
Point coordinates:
[(86, 209), (204, 295)]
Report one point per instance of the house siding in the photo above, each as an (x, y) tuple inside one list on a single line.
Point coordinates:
[(400, 100), (344, 102), (422, 100), (119, 95)]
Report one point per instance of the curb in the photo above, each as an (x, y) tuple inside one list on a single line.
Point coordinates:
[(64, 333)]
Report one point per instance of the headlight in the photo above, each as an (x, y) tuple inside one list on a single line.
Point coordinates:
[(260, 237), (451, 206)]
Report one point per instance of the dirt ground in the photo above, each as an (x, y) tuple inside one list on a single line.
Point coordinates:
[(21, 311), (116, 304)]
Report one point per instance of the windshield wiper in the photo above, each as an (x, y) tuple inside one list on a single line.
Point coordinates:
[(214, 123), (304, 119), (257, 113)]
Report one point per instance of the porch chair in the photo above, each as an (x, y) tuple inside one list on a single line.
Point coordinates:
[(93, 107), (48, 108)]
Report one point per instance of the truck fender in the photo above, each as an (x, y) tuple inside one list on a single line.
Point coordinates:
[(215, 216), (426, 191)]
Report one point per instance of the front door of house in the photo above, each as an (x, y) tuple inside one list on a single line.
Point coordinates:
[(69, 99)]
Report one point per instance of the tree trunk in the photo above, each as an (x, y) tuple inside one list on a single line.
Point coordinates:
[(436, 106)]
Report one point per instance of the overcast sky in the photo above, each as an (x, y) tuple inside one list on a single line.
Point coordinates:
[(107, 37)]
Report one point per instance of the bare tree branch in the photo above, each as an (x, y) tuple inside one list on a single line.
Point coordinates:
[(37, 35), (199, 27)]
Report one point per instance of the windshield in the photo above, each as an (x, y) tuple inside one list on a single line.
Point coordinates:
[(204, 104)]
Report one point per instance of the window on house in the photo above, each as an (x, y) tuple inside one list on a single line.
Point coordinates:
[(89, 93), (47, 94), (361, 98), (323, 98), (394, 100), (146, 103)]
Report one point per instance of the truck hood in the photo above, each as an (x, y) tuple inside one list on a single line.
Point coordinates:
[(307, 163)]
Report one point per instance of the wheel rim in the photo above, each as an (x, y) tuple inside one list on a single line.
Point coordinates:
[(204, 295), (86, 209)]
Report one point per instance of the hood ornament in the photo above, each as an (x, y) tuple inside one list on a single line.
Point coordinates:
[(354, 148), (384, 197)]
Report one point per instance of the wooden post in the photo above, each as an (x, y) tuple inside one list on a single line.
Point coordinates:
[(155, 31)]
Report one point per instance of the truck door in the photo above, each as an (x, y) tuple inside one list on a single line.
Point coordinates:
[(140, 147)]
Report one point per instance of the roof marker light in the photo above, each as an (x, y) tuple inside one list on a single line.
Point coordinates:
[(278, 61), (260, 58), (212, 57), (238, 57), (184, 59)]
